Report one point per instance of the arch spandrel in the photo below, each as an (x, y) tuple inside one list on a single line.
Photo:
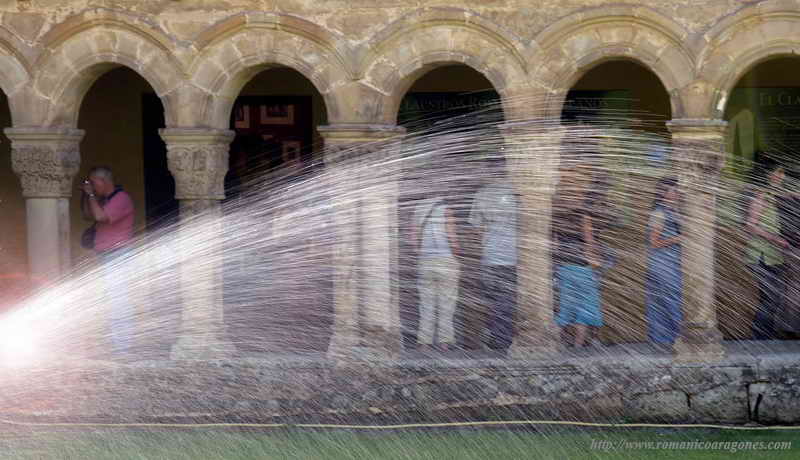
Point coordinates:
[(571, 47), (233, 52), (737, 44)]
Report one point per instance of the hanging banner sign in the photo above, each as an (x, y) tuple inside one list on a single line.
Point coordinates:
[(765, 119), (426, 109)]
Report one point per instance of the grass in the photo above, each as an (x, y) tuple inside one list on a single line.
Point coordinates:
[(200, 444)]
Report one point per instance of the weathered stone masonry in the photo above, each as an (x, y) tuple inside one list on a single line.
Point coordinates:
[(743, 387), (361, 56)]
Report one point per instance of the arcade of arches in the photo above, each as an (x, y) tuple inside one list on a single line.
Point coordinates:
[(141, 89)]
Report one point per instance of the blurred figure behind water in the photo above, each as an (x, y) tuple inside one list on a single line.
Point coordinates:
[(494, 212), (664, 301), (765, 249)]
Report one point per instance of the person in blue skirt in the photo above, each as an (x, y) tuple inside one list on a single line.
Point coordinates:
[(664, 272), (576, 264)]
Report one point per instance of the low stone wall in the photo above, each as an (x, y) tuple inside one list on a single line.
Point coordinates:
[(743, 388)]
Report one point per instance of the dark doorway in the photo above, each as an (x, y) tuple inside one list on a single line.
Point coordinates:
[(273, 129), (440, 104), (160, 203)]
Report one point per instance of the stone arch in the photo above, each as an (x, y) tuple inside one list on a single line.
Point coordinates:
[(78, 51), (571, 47), (425, 39), (15, 71), (742, 41), (238, 48)]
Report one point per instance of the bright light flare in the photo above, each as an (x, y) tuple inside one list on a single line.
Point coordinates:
[(18, 343)]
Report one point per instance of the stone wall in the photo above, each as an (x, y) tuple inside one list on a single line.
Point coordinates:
[(743, 388), (362, 56)]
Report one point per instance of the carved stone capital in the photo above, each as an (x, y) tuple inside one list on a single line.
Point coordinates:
[(344, 143), (198, 160), (700, 129), (45, 159), (699, 146)]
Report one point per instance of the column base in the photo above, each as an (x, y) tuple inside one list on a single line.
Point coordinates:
[(698, 344), (342, 341), (534, 352), (362, 355), (370, 344), (538, 342), (205, 348)]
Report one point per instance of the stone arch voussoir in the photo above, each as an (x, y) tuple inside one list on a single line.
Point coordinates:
[(15, 73), (742, 41), (67, 69), (571, 47), (13, 80), (399, 56), (224, 67)]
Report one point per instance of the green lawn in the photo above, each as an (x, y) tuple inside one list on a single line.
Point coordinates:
[(493, 444)]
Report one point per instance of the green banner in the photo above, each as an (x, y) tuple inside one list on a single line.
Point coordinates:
[(609, 107), (766, 119), (423, 110)]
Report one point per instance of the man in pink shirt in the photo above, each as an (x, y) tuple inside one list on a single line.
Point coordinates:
[(112, 210)]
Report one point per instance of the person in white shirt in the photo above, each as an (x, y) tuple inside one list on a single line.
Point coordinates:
[(437, 245), (494, 213)]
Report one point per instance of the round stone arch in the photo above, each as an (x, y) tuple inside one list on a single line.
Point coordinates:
[(741, 42), (217, 99), (234, 51), (554, 101), (405, 78), (572, 46), (15, 74), (423, 40), (69, 66)]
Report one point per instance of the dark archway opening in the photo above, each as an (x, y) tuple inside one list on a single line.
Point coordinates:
[(14, 282), (763, 112), (458, 106), (616, 97), (278, 297), (121, 115)]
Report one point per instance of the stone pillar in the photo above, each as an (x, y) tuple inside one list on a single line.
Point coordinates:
[(46, 160), (198, 160), (532, 154), (364, 192), (699, 146)]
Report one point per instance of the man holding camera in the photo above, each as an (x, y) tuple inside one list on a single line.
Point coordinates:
[(112, 210)]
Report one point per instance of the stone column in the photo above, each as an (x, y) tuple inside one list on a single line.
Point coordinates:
[(46, 160), (364, 192), (198, 160), (699, 155), (532, 154)]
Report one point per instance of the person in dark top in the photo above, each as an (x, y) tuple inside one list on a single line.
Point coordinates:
[(576, 261), (766, 251), (604, 222), (789, 216)]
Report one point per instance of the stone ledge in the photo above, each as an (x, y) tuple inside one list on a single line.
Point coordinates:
[(309, 388)]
